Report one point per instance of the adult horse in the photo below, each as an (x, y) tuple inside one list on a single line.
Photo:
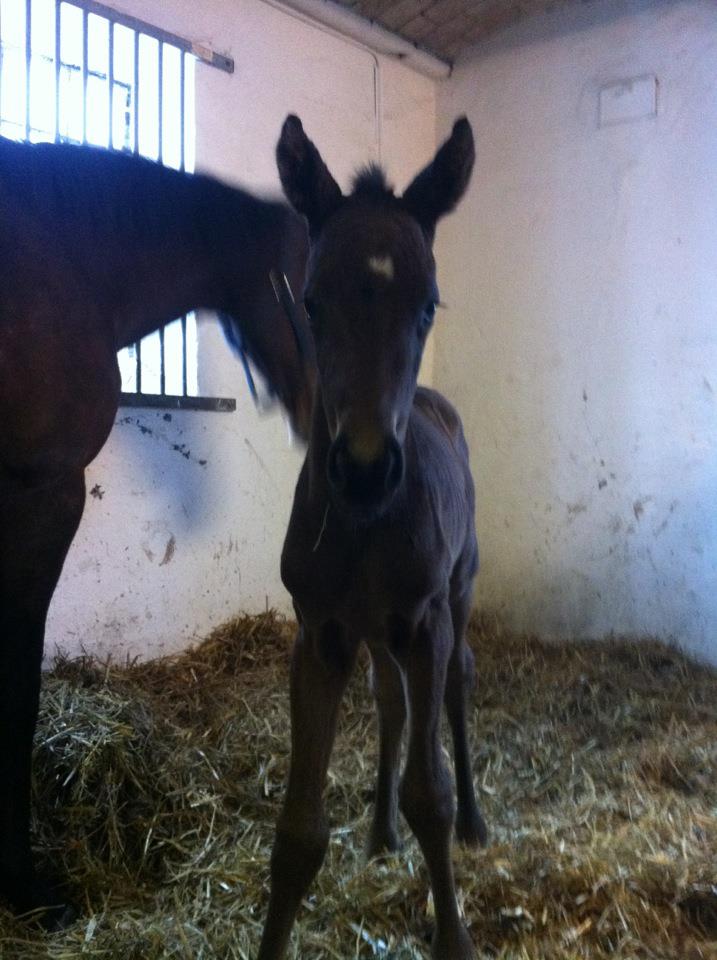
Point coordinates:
[(97, 249), (381, 545)]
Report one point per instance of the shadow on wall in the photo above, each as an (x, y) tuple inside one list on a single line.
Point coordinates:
[(567, 19), (642, 568), (168, 451)]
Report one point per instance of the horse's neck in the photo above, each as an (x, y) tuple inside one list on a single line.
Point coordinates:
[(165, 276), (156, 292)]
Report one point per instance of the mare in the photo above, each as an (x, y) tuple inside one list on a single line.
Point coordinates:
[(97, 249), (381, 545)]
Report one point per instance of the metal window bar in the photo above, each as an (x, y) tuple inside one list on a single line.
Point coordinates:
[(57, 70), (67, 127), (28, 61), (85, 52)]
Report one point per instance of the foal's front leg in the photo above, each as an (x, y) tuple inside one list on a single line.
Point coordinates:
[(426, 793), (321, 666), (389, 693), (460, 684)]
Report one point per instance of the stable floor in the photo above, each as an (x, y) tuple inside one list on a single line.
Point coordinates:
[(157, 787)]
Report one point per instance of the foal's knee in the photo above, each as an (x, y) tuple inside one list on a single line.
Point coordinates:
[(298, 855), (426, 801)]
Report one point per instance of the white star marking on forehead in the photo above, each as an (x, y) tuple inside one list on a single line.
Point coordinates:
[(383, 266)]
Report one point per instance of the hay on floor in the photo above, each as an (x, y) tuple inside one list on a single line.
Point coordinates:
[(157, 787)]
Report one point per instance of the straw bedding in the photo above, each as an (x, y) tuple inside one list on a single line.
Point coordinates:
[(157, 787)]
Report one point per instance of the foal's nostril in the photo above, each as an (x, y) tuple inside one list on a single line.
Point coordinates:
[(394, 464), (364, 482)]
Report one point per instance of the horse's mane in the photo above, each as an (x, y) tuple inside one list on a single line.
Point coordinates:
[(93, 193)]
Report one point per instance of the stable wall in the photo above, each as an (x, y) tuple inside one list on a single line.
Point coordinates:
[(581, 340), (174, 541)]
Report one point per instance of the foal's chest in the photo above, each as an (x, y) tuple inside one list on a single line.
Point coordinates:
[(363, 576)]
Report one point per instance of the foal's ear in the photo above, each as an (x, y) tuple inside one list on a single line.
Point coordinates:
[(438, 188), (307, 183)]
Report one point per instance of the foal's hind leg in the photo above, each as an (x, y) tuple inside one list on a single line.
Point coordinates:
[(460, 684), (37, 527), (426, 793), (388, 690), (321, 666)]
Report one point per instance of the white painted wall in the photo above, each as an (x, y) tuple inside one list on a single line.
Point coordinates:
[(173, 547), (581, 343)]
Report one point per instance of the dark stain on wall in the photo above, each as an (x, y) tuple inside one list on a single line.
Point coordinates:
[(169, 551)]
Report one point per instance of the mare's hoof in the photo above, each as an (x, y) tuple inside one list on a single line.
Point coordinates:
[(39, 902), (51, 918), (455, 945), (471, 830), (383, 843)]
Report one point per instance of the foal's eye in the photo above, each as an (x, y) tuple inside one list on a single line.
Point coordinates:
[(426, 321)]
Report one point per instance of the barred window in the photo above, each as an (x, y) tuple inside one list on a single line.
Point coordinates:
[(76, 71)]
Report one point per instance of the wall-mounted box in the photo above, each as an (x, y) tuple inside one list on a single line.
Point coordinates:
[(627, 100)]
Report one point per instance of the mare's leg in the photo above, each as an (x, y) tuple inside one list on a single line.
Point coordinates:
[(36, 529), (321, 666), (426, 792), (387, 685), (460, 684)]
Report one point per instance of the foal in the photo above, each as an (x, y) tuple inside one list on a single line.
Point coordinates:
[(381, 545)]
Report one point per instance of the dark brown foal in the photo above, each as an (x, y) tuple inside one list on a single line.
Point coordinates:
[(381, 545)]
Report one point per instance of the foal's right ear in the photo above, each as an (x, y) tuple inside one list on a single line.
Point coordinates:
[(307, 183)]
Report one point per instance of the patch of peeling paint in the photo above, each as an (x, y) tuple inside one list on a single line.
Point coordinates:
[(638, 507), (169, 551), (181, 448)]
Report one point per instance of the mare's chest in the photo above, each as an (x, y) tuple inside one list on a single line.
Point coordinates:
[(59, 379)]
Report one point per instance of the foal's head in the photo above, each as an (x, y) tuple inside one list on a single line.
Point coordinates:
[(371, 295)]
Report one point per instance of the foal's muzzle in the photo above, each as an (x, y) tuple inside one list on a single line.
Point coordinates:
[(364, 485)]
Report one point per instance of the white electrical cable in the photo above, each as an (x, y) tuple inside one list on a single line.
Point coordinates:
[(371, 34), (310, 21)]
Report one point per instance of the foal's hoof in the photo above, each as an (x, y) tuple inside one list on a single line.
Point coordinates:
[(471, 830), (383, 843)]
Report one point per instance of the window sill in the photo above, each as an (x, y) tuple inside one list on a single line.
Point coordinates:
[(158, 401)]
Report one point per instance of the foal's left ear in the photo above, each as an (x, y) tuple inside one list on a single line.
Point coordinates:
[(307, 183), (438, 188)]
